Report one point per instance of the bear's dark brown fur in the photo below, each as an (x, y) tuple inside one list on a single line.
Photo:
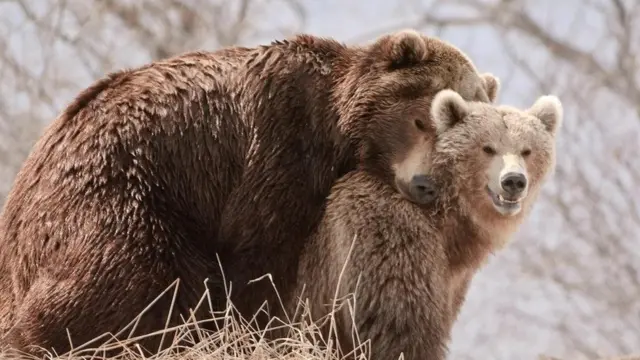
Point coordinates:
[(151, 172), (410, 265)]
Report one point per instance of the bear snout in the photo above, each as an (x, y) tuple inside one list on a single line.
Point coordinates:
[(422, 189), (514, 183)]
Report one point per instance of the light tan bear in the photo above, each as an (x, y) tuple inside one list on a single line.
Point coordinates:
[(411, 264)]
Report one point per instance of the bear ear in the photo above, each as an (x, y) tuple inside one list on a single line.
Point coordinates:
[(402, 49), (448, 108), (478, 87), (549, 110), (491, 86)]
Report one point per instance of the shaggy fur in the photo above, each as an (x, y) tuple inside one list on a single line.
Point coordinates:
[(151, 172), (411, 265)]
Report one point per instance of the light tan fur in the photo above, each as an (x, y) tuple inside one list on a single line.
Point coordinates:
[(411, 266), (467, 127)]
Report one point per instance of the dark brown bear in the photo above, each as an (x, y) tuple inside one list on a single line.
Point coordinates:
[(410, 265), (150, 173)]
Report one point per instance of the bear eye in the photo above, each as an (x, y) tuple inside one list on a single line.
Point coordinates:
[(419, 124), (526, 152), (489, 150)]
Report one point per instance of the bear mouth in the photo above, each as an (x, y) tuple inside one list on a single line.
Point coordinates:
[(504, 206)]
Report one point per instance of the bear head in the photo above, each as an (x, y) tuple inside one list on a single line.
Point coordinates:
[(384, 97), (495, 158)]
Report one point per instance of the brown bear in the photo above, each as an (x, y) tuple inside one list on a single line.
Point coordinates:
[(408, 265), (152, 174)]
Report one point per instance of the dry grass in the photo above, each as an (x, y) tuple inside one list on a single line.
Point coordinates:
[(237, 338)]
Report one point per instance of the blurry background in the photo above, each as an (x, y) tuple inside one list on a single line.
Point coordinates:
[(569, 285)]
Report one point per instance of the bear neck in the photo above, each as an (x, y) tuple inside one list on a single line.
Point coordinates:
[(354, 90), (470, 235)]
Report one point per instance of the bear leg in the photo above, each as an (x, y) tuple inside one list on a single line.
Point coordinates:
[(400, 284), (64, 304)]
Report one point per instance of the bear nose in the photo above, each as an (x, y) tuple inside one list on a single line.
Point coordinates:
[(422, 189), (514, 183)]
